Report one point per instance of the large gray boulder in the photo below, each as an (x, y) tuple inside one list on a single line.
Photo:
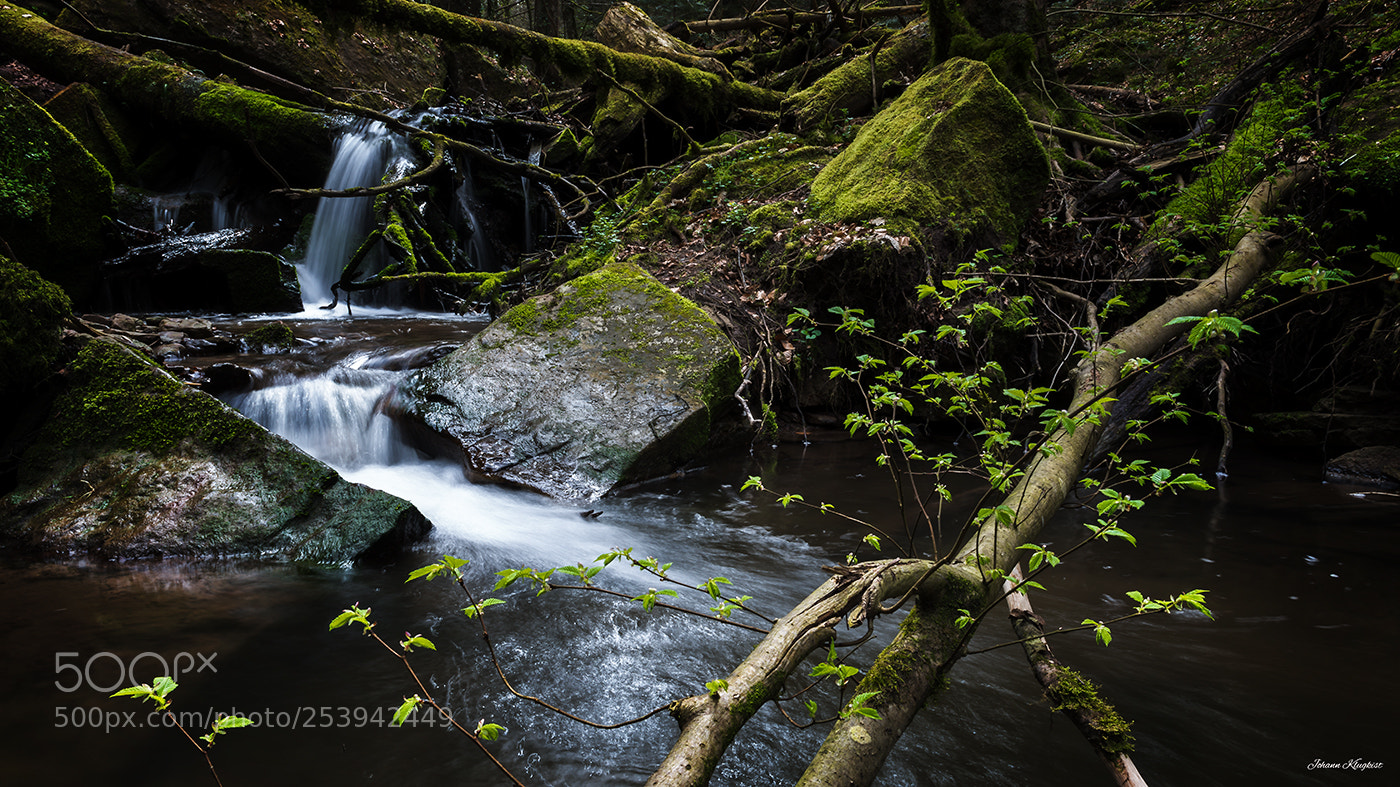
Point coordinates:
[(611, 378), (132, 463)]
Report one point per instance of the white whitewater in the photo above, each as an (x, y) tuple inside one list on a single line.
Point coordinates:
[(362, 156)]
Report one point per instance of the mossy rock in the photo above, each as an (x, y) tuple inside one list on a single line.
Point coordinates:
[(98, 124), (132, 463), (53, 195), (955, 151), (611, 378), (32, 311)]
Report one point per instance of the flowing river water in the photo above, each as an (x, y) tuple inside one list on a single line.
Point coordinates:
[(1293, 670)]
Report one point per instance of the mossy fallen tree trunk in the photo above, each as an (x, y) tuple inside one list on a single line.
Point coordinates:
[(293, 139), (572, 61), (1070, 693), (627, 28), (853, 87), (912, 669), (856, 748)]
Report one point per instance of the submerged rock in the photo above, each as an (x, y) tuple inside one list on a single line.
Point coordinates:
[(1377, 465), (611, 378), (132, 463), (955, 149)]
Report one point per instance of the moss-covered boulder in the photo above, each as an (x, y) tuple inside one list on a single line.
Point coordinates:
[(131, 463), (954, 150), (53, 194), (32, 311), (611, 378)]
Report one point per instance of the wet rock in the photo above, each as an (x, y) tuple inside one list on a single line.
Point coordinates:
[(1347, 418), (169, 352), (190, 326), (1377, 466), (125, 322), (610, 379), (226, 378), (227, 271), (132, 463)]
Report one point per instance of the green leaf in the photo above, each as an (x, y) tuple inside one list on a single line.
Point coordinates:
[(415, 641), (1101, 632), (426, 572), (488, 732), (715, 686), (404, 710), (480, 606), (353, 615)]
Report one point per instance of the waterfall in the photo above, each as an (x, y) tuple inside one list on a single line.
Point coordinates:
[(478, 249), (361, 157), (536, 156), (335, 416)]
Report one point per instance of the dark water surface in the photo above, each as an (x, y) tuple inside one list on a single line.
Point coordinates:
[(1295, 668)]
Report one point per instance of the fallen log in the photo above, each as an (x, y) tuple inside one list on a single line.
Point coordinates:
[(911, 670), (292, 138)]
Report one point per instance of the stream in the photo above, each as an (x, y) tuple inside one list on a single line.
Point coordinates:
[(1293, 669)]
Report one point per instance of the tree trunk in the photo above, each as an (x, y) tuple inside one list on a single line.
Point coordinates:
[(627, 28), (911, 670), (294, 139), (573, 61), (853, 752)]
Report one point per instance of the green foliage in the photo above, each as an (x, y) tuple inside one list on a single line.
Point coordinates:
[(1211, 327), (225, 723), (156, 691), (857, 706), (410, 704), (354, 615)]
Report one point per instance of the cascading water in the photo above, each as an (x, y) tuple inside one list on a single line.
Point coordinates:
[(362, 155), (478, 249)]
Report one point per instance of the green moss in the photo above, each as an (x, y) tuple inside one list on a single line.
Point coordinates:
[(1073, 691), (1221, 183), (271, 337), (118, 399), (32, 311), (954, 150), (927, 634), (753, 700), (97, 124), (53, 194)]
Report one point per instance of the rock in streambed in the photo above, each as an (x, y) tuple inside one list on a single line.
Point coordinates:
[(609, 379), (132, 463)]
